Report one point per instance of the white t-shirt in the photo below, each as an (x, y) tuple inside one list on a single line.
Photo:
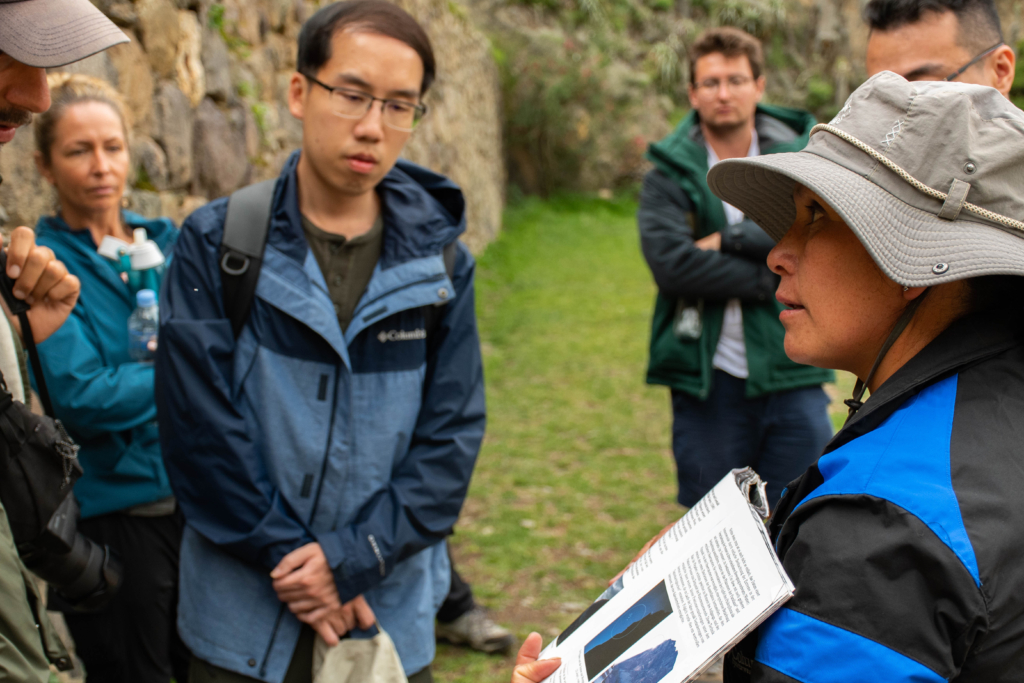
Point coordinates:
[(731, 352)]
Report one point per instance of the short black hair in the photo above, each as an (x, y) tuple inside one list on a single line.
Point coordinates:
[(373, 16), (979, 21)]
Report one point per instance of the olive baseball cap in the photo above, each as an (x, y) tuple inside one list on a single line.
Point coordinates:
[(929, 175), (49, 33)]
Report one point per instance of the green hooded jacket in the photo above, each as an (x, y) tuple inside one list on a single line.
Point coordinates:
[(686, 365)]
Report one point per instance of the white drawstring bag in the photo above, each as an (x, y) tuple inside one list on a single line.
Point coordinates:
[(358, 660)]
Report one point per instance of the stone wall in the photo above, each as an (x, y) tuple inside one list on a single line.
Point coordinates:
[(206, 84)]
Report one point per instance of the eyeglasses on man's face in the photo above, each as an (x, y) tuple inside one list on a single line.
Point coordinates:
[(974, 61), (349, 103), (732, 84)]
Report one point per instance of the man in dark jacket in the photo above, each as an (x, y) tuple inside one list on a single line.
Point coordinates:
[(322, 456), (716, 340)]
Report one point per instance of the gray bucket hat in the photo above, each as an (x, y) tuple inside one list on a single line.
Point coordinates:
[(929, 175), (49, 33)]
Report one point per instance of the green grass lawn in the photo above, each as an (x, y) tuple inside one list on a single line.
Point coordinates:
[(576, 472)]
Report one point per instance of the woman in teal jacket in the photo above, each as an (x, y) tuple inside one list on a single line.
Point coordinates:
[(105, 398)]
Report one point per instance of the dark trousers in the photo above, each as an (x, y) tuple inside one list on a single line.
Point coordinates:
[(779, 435), (135, 638), (460, 597)]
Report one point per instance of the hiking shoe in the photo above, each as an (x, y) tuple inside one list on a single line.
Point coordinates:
[(476, 630)]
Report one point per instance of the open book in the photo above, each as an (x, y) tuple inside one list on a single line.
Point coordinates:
[(708, 582)]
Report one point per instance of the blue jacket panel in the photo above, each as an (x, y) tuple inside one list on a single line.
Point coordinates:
[(104, 397), (903, 541), (363, 441)]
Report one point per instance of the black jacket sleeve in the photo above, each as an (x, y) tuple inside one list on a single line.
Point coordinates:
[(680, 269), (748, 240)]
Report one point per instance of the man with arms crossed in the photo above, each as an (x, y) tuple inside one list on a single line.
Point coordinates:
[(35, 35), (935, 40), (322, 456), (716, 340)]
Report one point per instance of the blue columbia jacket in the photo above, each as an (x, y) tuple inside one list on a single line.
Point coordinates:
[(362, 441), (104, 397), (904, 540)]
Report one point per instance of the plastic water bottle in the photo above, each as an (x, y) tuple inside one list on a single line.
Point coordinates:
[(143, 326)]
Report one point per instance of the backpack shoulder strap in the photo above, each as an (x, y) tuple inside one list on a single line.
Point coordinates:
[(432, 314), (451, 251), (245, 237)]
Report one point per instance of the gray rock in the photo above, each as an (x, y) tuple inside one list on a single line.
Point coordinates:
[(97, 66), (220, 150), (145, 203), (158, 23), (23, 193), (123, 14), (217, 63), (135, 81), (172, 128), (149, 157)]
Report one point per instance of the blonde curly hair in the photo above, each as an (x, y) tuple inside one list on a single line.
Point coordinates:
[(67, 90)]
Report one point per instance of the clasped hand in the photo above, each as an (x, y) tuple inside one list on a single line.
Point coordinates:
[(304, 581), (41, 281)]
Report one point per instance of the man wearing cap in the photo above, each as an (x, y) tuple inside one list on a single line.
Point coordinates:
[(716, 340), (35, 35), (936, 40)]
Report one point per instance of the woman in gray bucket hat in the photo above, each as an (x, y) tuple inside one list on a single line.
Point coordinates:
[(901, 256)]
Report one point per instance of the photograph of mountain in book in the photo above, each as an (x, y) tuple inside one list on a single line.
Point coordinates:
[(650, 666), (624, 632)]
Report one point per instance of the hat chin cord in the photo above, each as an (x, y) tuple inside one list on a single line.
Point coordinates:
[(856, 401)]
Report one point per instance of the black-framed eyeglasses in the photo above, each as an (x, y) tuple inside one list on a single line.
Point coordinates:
[(349, 103), (974, 61)]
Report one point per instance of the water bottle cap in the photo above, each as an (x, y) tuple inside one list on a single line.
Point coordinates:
[(145, 298), (145, 255)]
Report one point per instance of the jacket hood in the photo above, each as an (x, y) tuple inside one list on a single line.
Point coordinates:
[(683, 150), (423, 211)]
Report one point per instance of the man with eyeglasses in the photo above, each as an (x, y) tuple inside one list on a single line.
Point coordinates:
[(936, 40), (716, 340), (321, 451)]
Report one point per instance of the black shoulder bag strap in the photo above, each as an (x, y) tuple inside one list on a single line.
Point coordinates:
[(37, 366), (20, 309), (245, 237), (432, 314)]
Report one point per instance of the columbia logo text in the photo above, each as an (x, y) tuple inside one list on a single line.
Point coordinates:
[(401, 335)]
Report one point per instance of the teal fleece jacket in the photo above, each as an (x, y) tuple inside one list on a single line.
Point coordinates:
[(104, 398)]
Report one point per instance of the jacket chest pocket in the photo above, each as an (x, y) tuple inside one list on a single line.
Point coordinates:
[(397, 343)]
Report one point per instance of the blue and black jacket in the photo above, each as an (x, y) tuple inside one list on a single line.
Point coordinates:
[(905, 541), (362, 441)]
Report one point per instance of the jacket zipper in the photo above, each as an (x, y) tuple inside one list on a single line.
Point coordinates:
[(316, 501), (270, 645)]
